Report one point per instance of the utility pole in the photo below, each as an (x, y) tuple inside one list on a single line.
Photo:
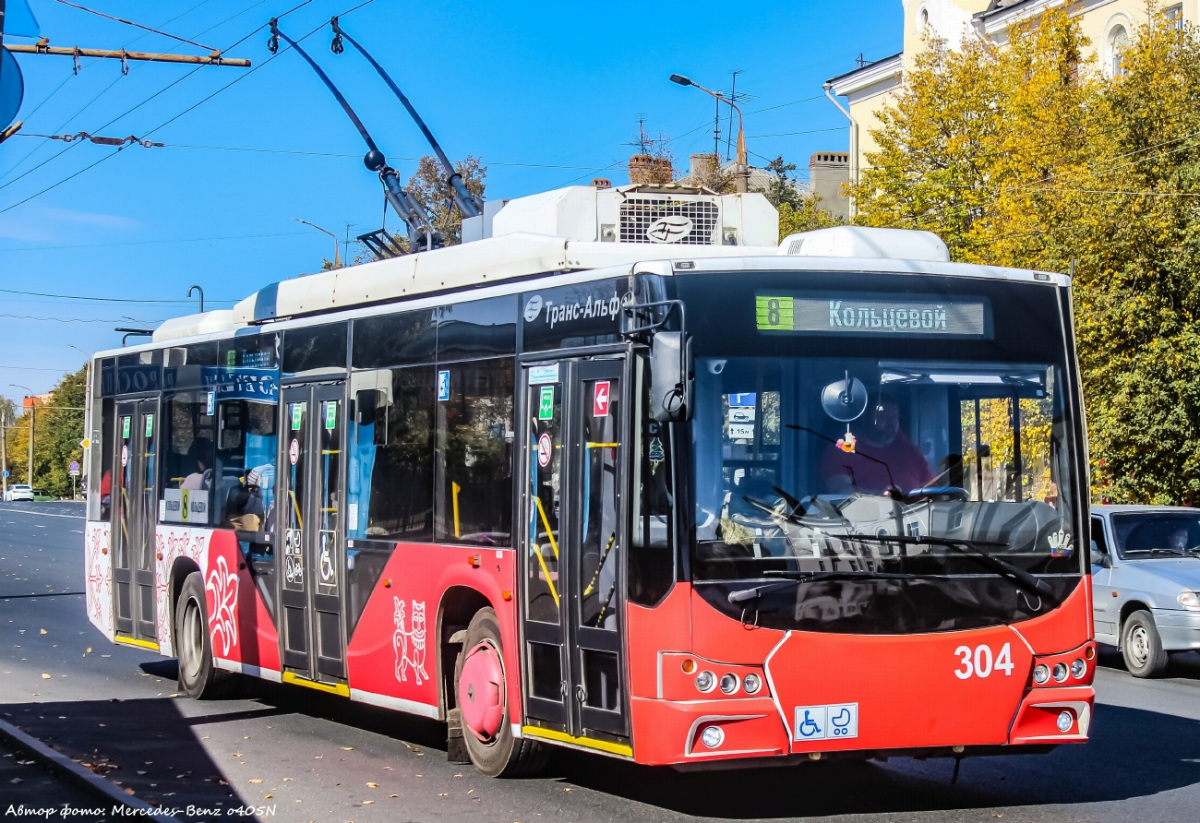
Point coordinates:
[(32, 416), (733, 97), (213, 59)]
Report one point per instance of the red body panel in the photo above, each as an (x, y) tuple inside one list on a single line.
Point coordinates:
[(394, 649), (255, 637), (865, 692)]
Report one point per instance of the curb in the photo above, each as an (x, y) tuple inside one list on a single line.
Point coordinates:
[(67, 767)]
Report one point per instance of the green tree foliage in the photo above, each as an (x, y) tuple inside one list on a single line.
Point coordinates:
[(1025, 155), (58, 430), (806, 215), (1139, 251), (433, 192)]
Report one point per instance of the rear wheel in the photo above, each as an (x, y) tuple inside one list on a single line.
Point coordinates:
[(198, 677), (1142, 647), (482, 696)]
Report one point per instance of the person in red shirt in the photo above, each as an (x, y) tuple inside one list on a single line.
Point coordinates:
[(883, 457)]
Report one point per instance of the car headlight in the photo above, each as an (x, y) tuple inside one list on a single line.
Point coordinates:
[(1189, 600)]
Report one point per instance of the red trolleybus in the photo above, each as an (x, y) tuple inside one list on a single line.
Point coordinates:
[(622, 475)]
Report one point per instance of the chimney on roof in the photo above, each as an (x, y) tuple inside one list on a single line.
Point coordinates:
[(645, 169)]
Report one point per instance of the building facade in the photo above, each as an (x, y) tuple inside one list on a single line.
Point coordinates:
[(1108, 24)]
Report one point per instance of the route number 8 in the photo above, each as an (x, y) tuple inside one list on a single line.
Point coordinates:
[(978, 662)]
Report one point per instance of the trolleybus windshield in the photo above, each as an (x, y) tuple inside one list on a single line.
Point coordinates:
[(871, 460)]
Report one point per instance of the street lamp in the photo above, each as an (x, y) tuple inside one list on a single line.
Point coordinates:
[(337, 260), (32, 417), (88, 393), (743, 171)]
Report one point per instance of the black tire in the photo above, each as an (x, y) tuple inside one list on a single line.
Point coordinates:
[(498, 754), (198, 677), (1142, 647)]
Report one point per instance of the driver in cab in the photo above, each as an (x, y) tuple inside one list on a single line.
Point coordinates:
[(883, 456)]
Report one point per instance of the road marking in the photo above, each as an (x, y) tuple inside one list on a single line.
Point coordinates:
[(48, 514)]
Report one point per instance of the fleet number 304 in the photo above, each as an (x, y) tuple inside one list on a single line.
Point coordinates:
[(980, 662)]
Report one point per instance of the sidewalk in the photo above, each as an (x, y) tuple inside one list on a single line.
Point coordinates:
[(39, 783)]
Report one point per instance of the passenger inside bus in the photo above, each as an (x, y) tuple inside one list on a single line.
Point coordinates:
[(200, 452), (883, 457)]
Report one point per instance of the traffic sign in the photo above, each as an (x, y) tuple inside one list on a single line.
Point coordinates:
[(4, 474), (74, 467)]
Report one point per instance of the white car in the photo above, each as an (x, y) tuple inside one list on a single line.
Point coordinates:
[(1146, 582), (19, 492)]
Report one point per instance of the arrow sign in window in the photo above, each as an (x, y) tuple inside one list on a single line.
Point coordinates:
[(600, 399)]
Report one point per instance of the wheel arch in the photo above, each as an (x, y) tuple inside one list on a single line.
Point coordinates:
[(181, 569), (1129, 608), (458, 605)]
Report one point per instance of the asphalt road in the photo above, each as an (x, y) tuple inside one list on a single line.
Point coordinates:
[(302, 756)]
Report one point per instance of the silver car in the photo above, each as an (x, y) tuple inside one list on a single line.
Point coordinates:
[(1146, 582)]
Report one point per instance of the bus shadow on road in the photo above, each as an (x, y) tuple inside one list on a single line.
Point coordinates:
[(1138, 753), (144, 746)]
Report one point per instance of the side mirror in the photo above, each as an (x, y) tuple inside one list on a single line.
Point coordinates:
[(670, 377)]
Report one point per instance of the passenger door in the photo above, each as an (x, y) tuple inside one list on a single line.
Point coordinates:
[(573, 505), (309, 504), (133, 522)]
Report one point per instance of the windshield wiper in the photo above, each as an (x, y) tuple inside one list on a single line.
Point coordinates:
[(974, 549), (797, 577), (1172, 552)]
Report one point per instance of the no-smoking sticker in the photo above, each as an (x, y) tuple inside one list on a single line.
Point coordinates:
[(294, 451), (544, 450)]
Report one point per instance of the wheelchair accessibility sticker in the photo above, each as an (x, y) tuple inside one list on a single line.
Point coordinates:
[(836, 722)]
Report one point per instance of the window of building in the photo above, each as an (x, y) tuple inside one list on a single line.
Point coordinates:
[(1174, 15), (1118, 42)]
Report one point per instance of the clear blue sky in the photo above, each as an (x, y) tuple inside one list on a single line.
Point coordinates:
[(546, 94)]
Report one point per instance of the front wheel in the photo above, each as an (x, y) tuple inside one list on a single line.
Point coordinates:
[(1142, 647), (482, 696), (198, 677)]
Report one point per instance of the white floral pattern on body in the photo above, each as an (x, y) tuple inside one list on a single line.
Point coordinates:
[(409, 644)]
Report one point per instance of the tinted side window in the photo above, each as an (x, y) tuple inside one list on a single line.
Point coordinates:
[(394, 340), (475, 438), (1098, 541), (310, 349), (188, 450), (390, 482), (481, 328)]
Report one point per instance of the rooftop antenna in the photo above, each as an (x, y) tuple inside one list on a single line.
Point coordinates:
[(420, 233), (471, 205)]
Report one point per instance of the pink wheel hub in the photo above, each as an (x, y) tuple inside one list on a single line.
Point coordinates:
[(481, 692)]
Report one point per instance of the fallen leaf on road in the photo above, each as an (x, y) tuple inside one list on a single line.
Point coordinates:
[(45, 676), (255, 780), (372, 785)]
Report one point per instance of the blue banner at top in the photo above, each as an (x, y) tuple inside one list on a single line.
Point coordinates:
[(243, 384)]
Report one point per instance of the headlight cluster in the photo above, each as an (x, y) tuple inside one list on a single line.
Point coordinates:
[(1060, 671), (729, 683), (1189, 600)]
